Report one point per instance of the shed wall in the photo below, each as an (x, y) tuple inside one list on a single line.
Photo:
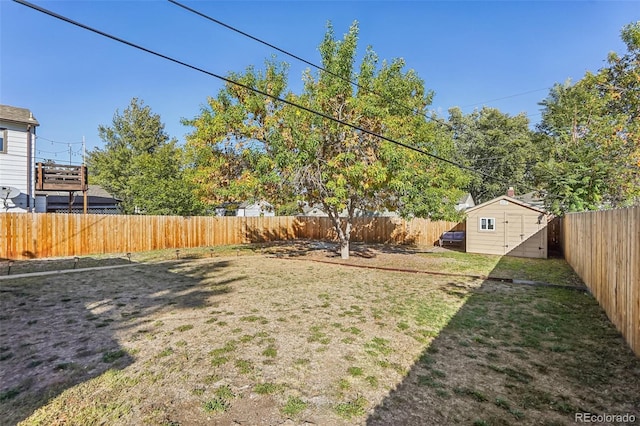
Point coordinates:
[(519, 231)]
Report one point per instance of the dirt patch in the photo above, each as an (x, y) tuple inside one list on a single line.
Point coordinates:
[(435, 260), (255, 339)]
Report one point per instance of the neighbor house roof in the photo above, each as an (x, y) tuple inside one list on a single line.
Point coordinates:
[(533, 198), (17, 115), (465, 198), (465, 202), (92, 191), (507, 198)]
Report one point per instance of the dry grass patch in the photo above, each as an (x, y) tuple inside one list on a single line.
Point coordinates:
[(272, 337), (252, 339)]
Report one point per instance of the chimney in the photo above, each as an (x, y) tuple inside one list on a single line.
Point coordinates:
[(511, 192)]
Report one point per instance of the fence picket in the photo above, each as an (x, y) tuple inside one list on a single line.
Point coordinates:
[(52, 235), (603, 247)]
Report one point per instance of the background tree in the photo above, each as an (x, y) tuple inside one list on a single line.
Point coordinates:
[(141, 165), (495, 144), (247, 145), (591, 134)]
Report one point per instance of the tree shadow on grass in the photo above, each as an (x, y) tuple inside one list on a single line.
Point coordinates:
[(518, 354), (14, 267), (61, 330), (331, 249)]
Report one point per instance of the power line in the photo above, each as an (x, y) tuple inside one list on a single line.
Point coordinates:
[(38, 150), (58, 142), (318, 67), (244, 86), (502, 98), (321, 68), (38, 156), (293, 104)]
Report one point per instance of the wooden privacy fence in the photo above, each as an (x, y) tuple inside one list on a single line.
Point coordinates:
[(37, 235), (604, 249)]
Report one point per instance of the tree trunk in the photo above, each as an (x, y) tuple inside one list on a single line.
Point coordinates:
[(345, 238), (344, 249), (343, 235)]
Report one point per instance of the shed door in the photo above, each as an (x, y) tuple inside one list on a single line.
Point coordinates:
[(514, 235), (523, 237)]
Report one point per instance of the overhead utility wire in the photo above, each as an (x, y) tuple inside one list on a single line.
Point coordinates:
[(318, 67), (504, 97), (58, 142), (227, 80), (45, 157), (355, 84)]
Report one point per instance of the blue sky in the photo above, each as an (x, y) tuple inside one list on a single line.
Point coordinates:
[(503, 54)]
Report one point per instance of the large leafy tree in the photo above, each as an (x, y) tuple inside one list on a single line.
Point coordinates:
[(141, 165), (229, 150), (497, 145), (591, 134), (246, 145)]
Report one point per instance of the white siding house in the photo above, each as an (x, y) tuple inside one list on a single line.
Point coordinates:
[(17, 163), (465, 202), (255, 209)]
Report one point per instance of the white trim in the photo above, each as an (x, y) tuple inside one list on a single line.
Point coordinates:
[(487, 224), (5, 137), (504, 197)]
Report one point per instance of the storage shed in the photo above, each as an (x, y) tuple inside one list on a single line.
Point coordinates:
[(507, 226)]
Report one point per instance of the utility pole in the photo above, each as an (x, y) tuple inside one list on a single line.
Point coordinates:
[(85, 177)]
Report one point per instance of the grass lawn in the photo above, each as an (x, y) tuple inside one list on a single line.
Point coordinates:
[(243, 335)]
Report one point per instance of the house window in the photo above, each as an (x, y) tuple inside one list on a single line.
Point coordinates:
[(3, 141), (487, 224)]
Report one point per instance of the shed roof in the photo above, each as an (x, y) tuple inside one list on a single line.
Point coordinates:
[(17, 115), (507, 198)]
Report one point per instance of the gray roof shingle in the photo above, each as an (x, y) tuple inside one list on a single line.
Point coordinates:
[(17, 115)]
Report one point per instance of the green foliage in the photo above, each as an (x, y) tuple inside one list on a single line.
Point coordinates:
[(473, 393), (141, 166), (247, 146), (9, 394), (216, 405), (165, 352), (111, 356), (591, 133), (355, 371), (495, 144), (244, 366), (221, 402), (225, 392), (379, 345), (267, 388), (270, 351), (227, 149), (353, 408), (294, 406)]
